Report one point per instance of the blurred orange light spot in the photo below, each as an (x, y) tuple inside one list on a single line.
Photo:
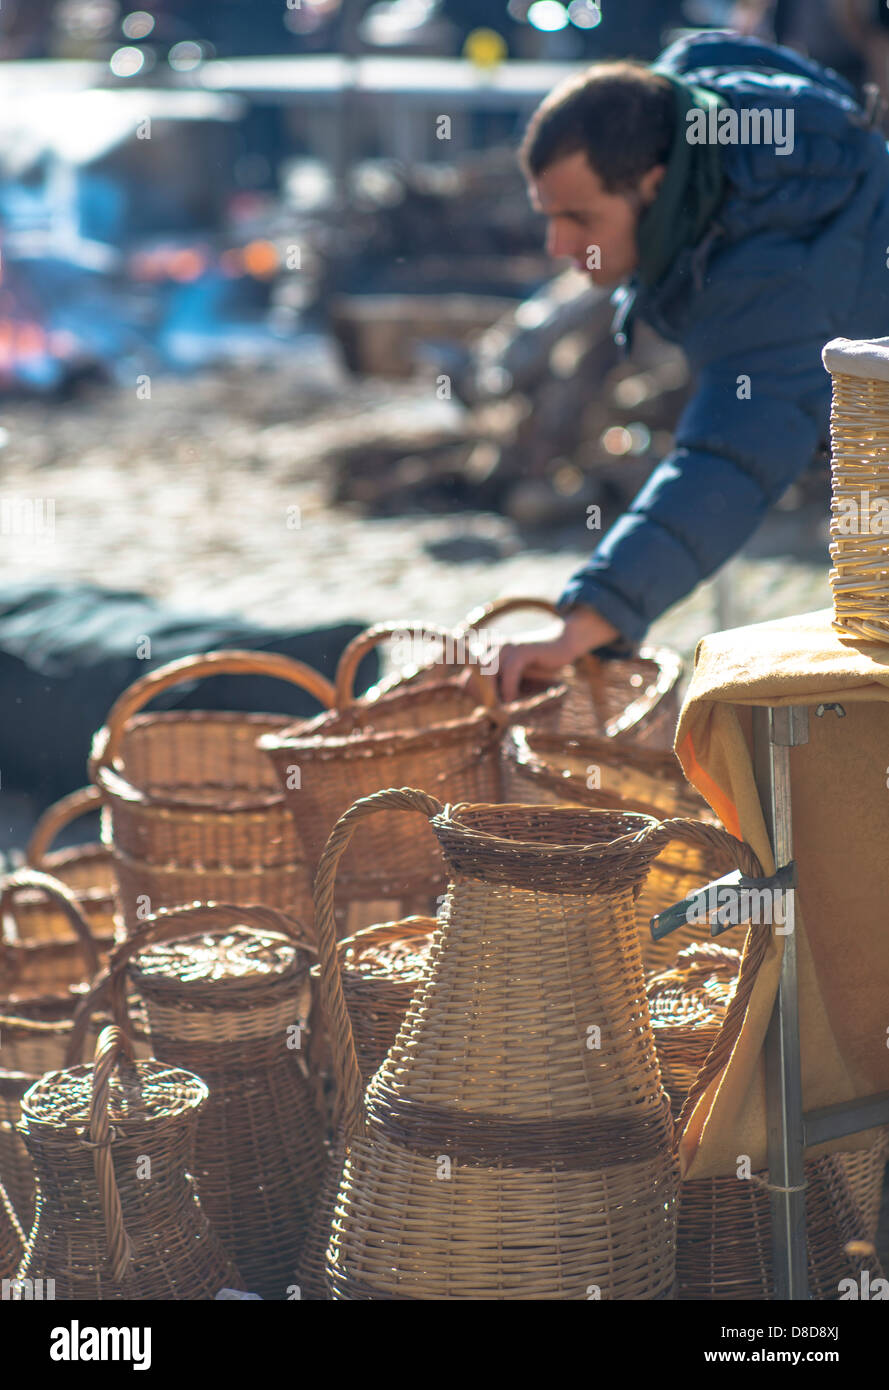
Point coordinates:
[(186, 264), (617, 440), (261, 259)]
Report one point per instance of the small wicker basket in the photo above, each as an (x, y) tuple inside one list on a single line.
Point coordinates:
[(191, 809), (859, 520), (118, 1216), (88, 870)]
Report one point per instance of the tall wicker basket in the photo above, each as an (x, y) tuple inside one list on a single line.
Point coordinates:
[(555, 769), (193, 812), (859, 521), (227, 995), (724, 1248), (118, 1215), (516, 1141)]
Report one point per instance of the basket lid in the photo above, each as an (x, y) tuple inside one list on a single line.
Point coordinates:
[(403, 958), (866, 357), (142, 1093), (235, 956)]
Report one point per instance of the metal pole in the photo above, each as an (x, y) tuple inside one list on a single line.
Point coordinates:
[(775, 731)]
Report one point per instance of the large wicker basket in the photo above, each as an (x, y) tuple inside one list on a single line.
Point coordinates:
[(118, 1215), (381, 967), (227, 995), (516, 1141), (724, 1248), (440, 731), (193, 812), (554, 769)]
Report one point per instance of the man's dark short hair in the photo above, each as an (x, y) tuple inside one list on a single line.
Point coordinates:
[(621, 115)]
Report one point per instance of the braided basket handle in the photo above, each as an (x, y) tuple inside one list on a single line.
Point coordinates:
[(586, 665), (702, 835), (61, 896), (107, 742), (55, 818), (483, 687), (112, 1045), (170, 924), (347, 1073)]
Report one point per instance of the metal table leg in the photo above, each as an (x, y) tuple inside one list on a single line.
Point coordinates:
[(775, 731)]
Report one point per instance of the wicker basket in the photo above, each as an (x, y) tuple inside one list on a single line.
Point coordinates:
[(88, 870), (516, 1141), (12, 1237), (543, 768), (118, 1216), (227, 995), (193, 812), (439, 731), (724, 1246), (42, 984), (381, 968), (859, 523), (636, 697)]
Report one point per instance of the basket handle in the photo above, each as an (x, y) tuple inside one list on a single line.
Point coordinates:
[(170, 924), (483, 686), (55, 818), (347, 1074), (586, 664), (26, 879), (703, 835), (112, 1046), (107, 742)]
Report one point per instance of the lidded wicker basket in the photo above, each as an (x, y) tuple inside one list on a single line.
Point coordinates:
[(192, 811), (516, 1141), (118, 1216), (724, 1248), (859, 513), (227, 995)]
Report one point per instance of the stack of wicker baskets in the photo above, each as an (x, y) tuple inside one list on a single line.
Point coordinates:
[(724, 1247)]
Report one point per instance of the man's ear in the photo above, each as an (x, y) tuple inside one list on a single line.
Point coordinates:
[(650, 182)]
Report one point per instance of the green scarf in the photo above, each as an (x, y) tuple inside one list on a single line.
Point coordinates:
[(690, 190)]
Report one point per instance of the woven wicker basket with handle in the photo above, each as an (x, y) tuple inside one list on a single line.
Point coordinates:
[(118, 1215), (440, 731), (227, 995), (516, 1141), (193, 812), (88, 870)]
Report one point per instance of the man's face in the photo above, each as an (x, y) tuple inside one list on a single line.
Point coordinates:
[(596, 229)]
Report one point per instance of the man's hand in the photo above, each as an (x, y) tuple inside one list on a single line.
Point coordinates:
[(541, 656)]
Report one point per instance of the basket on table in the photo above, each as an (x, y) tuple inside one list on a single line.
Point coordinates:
[(443, 732), (88, 870), (859, 520), (227, 995), (724, 1243), (516, 1142), (635, 697), (41, 986), (381, 967), (118, 1215), (553, 769), (192, 811)]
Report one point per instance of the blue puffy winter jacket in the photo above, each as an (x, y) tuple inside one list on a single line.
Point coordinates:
[(797, 253)]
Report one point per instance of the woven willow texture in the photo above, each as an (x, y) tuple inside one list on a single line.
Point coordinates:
[(859, 512), (193, 811)]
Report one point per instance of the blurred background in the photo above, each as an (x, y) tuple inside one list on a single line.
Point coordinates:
[(279, 340)]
